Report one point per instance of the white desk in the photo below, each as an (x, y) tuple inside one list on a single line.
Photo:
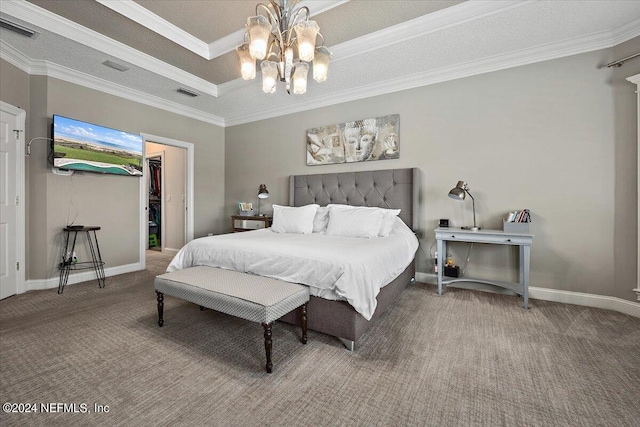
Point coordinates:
[(497, 237)]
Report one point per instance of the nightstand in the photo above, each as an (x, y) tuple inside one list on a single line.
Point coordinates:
[(248, 223)]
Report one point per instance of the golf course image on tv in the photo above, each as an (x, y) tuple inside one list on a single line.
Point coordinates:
[(87, 147)]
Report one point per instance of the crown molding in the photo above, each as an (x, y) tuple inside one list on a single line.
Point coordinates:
[(226, 44), (42, 18), (626, 32), (15, 57), (49, 69), (635, 79), (433, 22), (155, 23), (592, 42)]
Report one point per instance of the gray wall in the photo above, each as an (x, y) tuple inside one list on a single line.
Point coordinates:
[(626, 170), (556, 137), (109, 201)]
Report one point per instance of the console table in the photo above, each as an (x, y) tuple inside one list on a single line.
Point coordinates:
[(68, 264), (496, 237)]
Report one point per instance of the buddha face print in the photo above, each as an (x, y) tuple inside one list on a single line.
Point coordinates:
[(358, 141)]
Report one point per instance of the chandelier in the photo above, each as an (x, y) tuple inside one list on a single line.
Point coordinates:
[(284, 40)]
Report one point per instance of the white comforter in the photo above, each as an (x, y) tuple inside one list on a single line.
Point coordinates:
[(336, 268)]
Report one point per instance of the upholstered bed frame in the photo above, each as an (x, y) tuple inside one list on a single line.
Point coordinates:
[(393, 189)]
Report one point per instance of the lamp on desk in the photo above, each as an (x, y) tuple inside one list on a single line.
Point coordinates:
[(459, 193), (262, 194)]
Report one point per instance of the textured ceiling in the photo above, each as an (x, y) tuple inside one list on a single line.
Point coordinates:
[(378, 46)]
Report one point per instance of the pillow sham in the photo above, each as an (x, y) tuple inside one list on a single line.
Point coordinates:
[(321, 219), (390, 216), (388, 219), (356, 222), (289, 219)]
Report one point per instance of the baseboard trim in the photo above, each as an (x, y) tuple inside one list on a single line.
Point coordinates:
[(589, 300), (567, 297), (88, 275)]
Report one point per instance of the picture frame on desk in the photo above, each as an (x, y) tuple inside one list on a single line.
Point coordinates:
[(245, 209)]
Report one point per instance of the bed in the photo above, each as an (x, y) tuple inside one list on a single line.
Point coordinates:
[(352, 280)]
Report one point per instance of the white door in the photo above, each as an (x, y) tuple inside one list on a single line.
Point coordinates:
[(11, 171)]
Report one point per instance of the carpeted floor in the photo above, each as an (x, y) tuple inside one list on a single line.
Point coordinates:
[(463, 359)]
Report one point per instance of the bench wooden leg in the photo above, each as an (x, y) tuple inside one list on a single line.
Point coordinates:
[(160, 307), (303, 322), (267, 344)]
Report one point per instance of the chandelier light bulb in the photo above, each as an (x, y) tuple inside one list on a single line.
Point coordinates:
[(306, 33), (269, 76), (259, 29), (247, 63), (321, 64), (300, 77)]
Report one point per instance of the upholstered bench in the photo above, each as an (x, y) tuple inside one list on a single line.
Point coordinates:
[(255, 298)]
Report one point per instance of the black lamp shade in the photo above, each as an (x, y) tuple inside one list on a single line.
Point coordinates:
[(262, 192)]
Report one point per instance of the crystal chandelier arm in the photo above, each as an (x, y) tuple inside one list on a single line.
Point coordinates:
[(294, 20), (272, 17), (296, 15), (275, 22), (322, 37)]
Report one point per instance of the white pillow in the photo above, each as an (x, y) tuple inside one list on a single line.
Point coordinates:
[(321, 219), (355, 222), (387, 221), (288, 219), (390, 216)]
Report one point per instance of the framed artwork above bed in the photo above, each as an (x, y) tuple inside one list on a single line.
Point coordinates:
[(376, 138)]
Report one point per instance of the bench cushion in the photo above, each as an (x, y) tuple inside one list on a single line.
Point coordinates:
[(256, 298)]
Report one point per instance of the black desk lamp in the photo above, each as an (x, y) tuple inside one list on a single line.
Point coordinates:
[(459, 193), (262, 194)]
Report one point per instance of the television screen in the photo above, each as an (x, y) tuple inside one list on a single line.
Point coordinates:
[(87, 147)]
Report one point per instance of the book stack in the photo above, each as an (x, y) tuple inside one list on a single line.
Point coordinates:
[(517, 221), (519, 216)]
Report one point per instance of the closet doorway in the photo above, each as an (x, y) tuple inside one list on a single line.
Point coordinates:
[(167, 196), (155, 163)]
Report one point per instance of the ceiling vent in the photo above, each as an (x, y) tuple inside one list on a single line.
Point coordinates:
[(187, 92), (16, 28), (115, 65)]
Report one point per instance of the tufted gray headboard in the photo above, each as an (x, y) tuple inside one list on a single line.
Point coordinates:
[(391, 188)]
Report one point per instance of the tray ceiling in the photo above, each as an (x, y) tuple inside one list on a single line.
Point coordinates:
[(378, 46)]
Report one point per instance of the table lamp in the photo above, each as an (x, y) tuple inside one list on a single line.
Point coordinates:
[(262, 194), (459, 193)]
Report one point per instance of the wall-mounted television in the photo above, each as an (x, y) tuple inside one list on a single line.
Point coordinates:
[(82, 146)]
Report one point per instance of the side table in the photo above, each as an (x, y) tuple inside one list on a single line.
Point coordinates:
[(67, 263), (247, 223), (496, 237)]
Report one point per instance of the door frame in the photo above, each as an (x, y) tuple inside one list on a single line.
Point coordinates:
[(635, 79), (20, 242), (189, 214)]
